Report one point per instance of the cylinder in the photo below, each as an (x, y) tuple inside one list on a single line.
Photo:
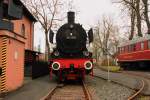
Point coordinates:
[(71, 17)]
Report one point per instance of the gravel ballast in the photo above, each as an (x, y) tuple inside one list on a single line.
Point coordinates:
[(103, 90)]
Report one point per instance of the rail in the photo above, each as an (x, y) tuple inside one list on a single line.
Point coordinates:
[(140, 89), (138, 92), (49, 95), (86, 91), (84, 88)]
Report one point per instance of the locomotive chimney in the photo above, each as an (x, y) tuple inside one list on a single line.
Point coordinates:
[(71, 17)]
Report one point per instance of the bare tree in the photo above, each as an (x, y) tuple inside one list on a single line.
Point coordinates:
[(138, 15), (132, 19), (146, 10), (133, 7), (96, 49), (48, 13), (106, 38)]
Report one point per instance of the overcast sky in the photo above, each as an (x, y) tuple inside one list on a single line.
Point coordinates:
[(89, 12)]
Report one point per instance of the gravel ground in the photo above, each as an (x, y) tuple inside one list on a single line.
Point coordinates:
[(100, 89), (103, 90)]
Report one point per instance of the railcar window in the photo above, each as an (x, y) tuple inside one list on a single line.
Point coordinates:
[(119, 50), (127, 48), (124, 49), (142, 45), (130, 48), (134, 47), (148, 44)]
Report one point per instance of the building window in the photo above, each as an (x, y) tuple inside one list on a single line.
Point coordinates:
[(142, 45), (148, 44), (23, 29)]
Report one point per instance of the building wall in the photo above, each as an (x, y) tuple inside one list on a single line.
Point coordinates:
[(12, 50), (15, 64), (0, 52), (29, 30), (11, 60)]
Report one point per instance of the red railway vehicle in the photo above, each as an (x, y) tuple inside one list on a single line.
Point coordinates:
[(71, 58), (135, 53)]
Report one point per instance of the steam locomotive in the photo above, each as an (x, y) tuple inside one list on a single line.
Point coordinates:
[(70, 58)]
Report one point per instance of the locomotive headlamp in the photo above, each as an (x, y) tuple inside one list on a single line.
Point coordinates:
[(88, 65), (56, 53), (86, 53), (56, 66), (71, 26)]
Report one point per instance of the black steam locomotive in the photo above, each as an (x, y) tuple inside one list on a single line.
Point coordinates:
[(71, 58)]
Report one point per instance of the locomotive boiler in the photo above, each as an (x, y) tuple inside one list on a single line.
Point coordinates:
[(70, 58)]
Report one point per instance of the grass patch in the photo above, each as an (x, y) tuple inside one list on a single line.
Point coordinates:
[(111, 68)]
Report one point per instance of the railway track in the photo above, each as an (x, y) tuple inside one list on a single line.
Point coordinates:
[(69, 92), (137, 93), (145, 84)]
